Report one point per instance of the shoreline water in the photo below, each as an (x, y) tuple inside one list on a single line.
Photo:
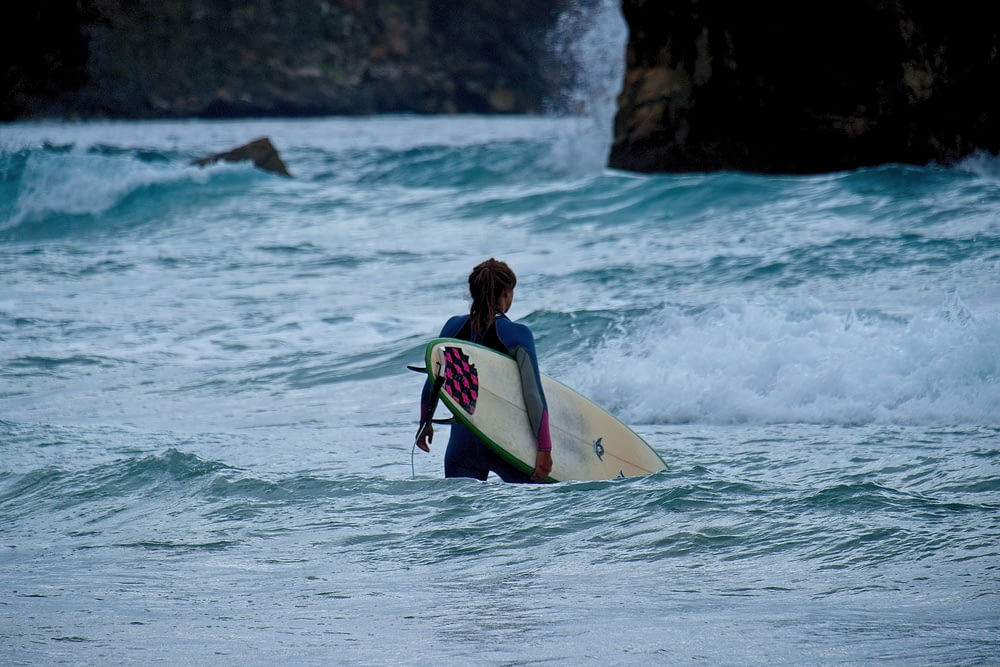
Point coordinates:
[(206, 420)]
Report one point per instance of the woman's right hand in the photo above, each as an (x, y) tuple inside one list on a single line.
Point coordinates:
[(543, 466), (425, 436)]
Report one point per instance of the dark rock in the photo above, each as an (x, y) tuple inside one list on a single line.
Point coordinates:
[(214, 59), (259, 151), (801, 87)]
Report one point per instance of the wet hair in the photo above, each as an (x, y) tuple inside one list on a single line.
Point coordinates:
[(487, 283)]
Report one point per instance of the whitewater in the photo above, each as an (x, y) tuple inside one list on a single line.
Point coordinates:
[(206, 422)]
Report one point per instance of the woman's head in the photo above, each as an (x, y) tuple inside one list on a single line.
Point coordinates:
[(491, 285)]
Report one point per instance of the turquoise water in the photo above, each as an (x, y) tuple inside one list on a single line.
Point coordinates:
[(206, 421)]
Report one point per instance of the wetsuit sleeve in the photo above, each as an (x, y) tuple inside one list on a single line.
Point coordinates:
[(531, 386)]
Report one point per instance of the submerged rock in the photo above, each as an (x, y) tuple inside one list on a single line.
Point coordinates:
[(259, 151)]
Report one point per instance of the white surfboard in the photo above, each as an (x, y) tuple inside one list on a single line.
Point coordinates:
[(482, 388)]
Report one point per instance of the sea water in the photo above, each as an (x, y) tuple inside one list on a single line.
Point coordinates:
[(206, 421)]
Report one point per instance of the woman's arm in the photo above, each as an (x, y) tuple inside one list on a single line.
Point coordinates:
[(428, 396), (534, 401)]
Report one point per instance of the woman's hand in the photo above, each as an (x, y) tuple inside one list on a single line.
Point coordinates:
[(543, 466), (425, 436)]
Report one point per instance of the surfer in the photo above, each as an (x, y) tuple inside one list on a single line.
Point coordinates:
[(491, 285)]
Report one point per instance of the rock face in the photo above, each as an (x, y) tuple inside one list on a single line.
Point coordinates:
[(216, 58), (801, 87)]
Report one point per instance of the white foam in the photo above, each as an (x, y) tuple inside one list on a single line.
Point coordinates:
[(743, 362), (982, 164), (591, 37), (84, 184)]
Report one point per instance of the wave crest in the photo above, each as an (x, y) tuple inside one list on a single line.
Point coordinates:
[(50, 190), (743, 362)]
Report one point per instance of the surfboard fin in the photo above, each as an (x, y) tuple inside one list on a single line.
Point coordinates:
[(418, 369)]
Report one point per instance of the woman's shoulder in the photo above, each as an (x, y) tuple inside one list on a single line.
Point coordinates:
[(453, 326), (514, 333)]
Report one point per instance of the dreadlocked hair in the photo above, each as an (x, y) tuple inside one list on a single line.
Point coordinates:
[(487, 283)]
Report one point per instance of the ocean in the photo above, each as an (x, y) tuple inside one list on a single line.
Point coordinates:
[(206, 421)]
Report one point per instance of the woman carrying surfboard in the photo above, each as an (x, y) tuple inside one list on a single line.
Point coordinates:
[(491, 285)]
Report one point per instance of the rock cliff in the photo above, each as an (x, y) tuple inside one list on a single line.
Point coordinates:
[(217, 58), (782, 86), (800, 87)]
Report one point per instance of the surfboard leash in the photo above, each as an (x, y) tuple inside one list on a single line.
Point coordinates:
[(426, 417)]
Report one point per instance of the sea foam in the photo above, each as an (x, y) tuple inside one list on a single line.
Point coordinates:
[(757, 362)]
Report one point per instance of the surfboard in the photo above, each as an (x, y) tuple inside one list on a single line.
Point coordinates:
[(482, 389)]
